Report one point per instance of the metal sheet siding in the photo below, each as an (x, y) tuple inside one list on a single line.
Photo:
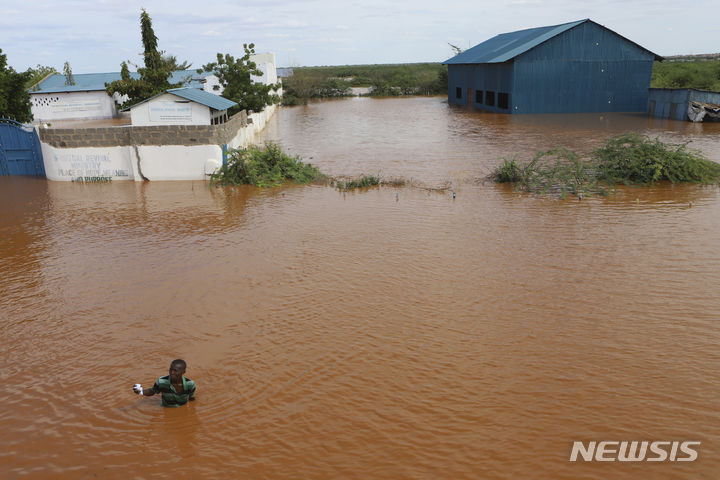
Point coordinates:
[(673, 103), (586, 69), (496, 78), (20, 152)]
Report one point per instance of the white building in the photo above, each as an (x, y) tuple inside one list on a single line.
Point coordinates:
[(53, 99), (181, 106)]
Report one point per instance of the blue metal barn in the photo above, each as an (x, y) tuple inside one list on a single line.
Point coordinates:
[(570, 68)]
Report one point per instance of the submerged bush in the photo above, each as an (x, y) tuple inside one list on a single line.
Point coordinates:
[(264, 167), (628, 158), (362, 182), (633, 158)]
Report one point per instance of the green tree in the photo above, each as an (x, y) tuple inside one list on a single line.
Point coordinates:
[(154, 77), (235, 76), (37, 74), (14, 96), (67, 71)]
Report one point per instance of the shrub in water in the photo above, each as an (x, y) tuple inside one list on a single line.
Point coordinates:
[(634, 158), (264, 167), (629, 158)]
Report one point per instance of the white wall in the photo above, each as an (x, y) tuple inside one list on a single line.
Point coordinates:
[(177, 162), (265, 63), (68, 164), (246, 136), (169, 109), (172, 162), (211, 81), (47, 107), (167, 162)]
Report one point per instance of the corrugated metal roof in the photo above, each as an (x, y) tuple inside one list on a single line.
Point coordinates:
[(87, 82), (202, 97), (193, 94), (507, 46)]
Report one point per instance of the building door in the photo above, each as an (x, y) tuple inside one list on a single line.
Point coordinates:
[(470, 96), (20, 152)]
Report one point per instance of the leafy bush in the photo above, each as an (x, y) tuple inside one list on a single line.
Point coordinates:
[(628, 158), (362, 182), (634, 158), (264, 167), (703, 75)]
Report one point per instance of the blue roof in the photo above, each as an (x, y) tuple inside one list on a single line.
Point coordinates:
[(86, 82), (204, 98), (507, 46), (196, 95)]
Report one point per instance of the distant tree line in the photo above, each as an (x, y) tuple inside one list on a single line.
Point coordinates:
[(699, 74), (381, 80)]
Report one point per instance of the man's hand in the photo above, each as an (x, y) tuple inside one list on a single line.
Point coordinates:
[(137, 388)]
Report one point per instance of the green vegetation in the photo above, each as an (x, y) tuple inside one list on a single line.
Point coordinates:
[(37, 74), (703, 75), (264, 167), (154, 77), (362, 182), (235, 76), (382, 80), (14, 96), (628, 159), (67, 71), (633, 158)]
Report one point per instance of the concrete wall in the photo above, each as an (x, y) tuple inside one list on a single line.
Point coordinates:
[(47, 107), (168, 109), (174, 152), (187, 135)]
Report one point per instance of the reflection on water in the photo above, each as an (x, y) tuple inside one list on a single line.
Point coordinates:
[(388, 333)]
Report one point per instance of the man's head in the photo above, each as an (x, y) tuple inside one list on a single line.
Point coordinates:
[(177, 369)]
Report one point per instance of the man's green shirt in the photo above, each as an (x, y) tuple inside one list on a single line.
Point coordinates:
[(171, 397)]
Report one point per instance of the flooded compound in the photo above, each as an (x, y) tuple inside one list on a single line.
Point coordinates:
[(387, 333)]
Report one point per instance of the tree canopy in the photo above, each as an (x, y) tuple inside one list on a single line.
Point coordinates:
[(14, 96), (154, 76), (235, 76)]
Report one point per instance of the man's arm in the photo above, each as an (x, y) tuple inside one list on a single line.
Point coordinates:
[(146, 392)]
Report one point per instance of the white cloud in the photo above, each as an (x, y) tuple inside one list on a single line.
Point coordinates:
[(95, 35)]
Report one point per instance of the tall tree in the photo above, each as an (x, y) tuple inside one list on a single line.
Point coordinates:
[(236, 78), (154, 76), (14, 96), (67, 71)]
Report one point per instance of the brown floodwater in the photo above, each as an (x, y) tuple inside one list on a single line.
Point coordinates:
[(389, 333)]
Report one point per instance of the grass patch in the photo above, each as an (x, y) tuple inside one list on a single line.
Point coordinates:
[(264, 166), (362, 182), (629, 159)]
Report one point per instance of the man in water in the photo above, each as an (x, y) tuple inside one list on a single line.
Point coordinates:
[(175, 388)]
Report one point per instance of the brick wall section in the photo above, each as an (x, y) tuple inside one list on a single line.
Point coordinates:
[(187, 135)]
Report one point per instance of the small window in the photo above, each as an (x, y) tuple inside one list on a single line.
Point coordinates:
[(503, 100), (458, 92), (490, 99), (479, 96)]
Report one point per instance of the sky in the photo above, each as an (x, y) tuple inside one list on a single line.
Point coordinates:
[(95, 36)]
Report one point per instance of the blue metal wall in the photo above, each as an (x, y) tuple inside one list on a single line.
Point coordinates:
[(585, 69), (673, 103), (20, 152), (486, 77)]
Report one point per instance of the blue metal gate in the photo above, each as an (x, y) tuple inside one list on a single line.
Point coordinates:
[(20, 152)]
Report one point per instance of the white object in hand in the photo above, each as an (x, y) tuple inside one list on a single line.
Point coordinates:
[(138, 388)]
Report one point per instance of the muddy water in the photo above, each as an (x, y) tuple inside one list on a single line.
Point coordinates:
[(390, 333)]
